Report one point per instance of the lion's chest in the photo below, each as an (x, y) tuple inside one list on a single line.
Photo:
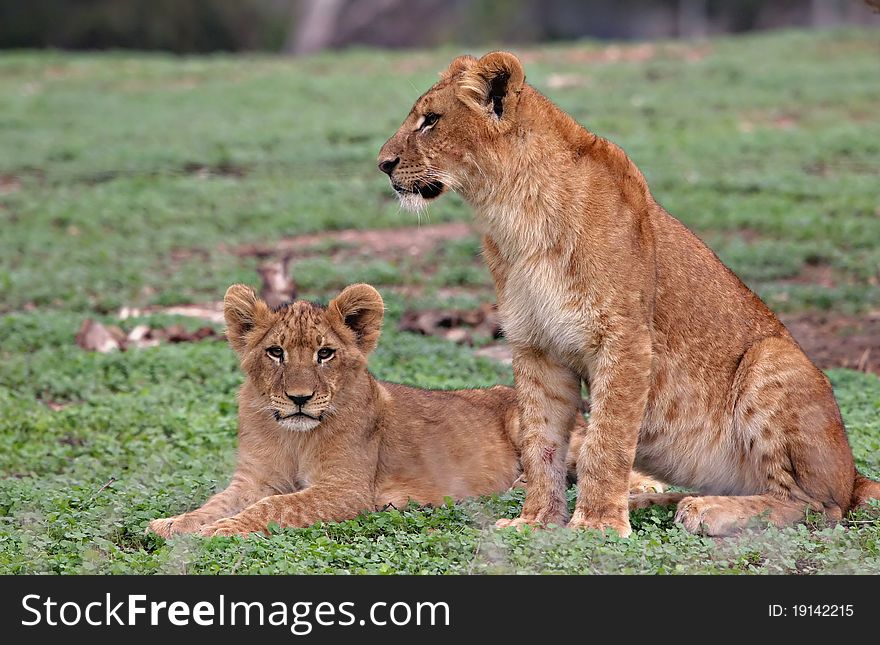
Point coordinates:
[(540, 309)]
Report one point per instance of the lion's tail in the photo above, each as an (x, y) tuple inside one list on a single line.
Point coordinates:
[(864, 489)]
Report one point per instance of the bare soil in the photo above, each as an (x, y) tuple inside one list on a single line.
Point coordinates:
[(838, 340), (389, 243)]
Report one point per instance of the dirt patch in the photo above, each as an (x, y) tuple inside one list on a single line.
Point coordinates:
[(410, 241), (638, 53), (752, 121), (210, 311), (178, 255), (480, 293), (223, 169), (198, 170), (814, 274), (500, 352), (9, 184), (458, 325), (830, 340), (93, 336), (837, 167), (838, 340), (747, 235), (566, 81)]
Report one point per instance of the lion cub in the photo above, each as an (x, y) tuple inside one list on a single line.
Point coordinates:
[(692, 377), (321, 440)]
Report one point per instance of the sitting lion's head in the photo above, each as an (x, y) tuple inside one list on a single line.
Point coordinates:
[(301, 356), (455, 129)]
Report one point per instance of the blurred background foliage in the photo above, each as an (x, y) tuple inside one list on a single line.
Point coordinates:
[(306, 26)]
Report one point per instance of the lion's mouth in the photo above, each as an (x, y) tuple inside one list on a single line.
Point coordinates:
[(295, 415), (427, 189)]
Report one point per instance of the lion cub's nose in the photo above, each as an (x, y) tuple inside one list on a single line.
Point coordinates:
[(388, 165), (300, 399)]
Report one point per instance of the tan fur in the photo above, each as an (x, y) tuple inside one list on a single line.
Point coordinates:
[(370, 443), (692, 378)]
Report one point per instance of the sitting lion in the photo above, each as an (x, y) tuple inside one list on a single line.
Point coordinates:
[(321, 440), (691, 376)]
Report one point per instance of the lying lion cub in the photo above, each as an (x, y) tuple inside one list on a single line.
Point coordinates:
[(320, 439)]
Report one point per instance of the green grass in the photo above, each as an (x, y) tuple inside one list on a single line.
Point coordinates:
[(127, 180)]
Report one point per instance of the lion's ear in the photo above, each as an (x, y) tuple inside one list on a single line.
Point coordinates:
[(493, 82), (360, 308), (457, 66), (243, 311)]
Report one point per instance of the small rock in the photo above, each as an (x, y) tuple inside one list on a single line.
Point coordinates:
[(139, 333), (458, 335), (95, 337)]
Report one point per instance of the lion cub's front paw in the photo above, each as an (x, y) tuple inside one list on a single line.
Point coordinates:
[(619, 523), (230, 526), (167, 527)]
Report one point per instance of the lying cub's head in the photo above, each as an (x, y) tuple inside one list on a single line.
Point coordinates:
[(454, 129), (301, 356)]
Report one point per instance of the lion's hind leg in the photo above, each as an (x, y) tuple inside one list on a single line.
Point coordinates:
[(720, 516), (639, 483), (788, 447), (646, 500), (864, 491)]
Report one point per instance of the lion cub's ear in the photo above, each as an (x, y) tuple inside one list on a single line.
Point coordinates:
[(243, 312), (493, 82), (457, 66), (360, 308)]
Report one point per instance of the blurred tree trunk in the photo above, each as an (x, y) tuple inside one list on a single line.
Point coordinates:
[(326, 23), (315, 26), (693, 19), (824, 13)]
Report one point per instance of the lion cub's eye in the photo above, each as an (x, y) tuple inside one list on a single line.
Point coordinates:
[(429, 120), (275, 352), (325, 354)]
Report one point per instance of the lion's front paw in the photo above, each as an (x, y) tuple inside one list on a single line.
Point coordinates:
[(518, 523), (161, 526), (230, 526), (541, 520), (619, 523), (167, 527)]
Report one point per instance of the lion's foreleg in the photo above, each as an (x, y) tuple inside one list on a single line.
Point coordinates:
[(240, 493), (548, 395), (319, 503), (619, 394)]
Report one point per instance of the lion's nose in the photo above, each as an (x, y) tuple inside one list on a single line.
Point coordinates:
[(388, 165), (300, 399)]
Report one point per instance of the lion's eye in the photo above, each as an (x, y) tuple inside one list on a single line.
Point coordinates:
[(275, 352), (429, 120), (325, 353)]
